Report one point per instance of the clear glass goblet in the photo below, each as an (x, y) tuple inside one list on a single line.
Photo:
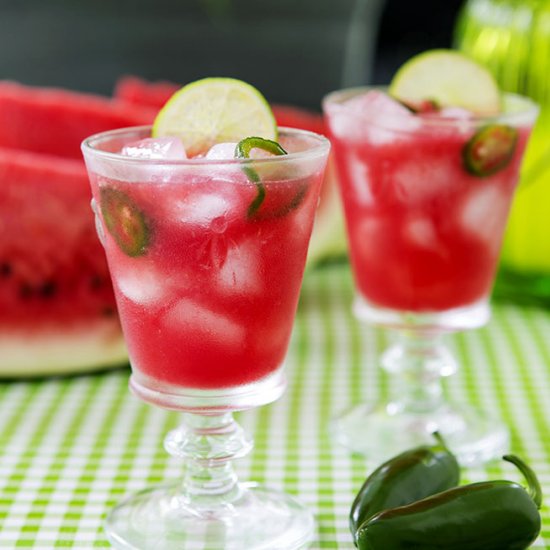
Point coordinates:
[(426, 199), (206, 258)]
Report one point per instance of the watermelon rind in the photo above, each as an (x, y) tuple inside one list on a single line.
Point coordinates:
[(328, 240), (50, 351)]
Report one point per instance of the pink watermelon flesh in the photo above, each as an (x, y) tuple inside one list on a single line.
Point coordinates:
[(57, 309), (55, 121), (52, 265), (137, 91)]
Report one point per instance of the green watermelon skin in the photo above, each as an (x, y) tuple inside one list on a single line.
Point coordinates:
[(55, 121)]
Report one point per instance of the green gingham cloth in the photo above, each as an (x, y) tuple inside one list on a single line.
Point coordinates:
[(70, 448)]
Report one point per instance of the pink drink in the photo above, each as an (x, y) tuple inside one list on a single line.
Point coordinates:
[(424, 232), (210, 300)]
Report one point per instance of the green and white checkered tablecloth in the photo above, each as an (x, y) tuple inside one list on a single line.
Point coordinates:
[(70, 448)]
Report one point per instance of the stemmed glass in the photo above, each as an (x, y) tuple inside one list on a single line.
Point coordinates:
[(206, 258), (426, 199)]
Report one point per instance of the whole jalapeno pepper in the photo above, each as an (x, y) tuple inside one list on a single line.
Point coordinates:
[(492, 515), (406, 478)]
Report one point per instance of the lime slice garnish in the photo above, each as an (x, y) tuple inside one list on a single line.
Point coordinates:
[(215, 110), (242, 151), (448, 78)]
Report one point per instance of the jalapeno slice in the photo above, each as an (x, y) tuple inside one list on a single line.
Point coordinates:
[(125, 221), (490, 149), (242, 151), (426, 106)]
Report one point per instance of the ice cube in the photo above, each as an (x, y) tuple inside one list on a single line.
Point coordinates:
[(368, 238), (484, 214), (190, 315), (376, 104), (145, 284), (420, 179), (226, 151), (421, 232), (374, 116), (168, 148), (455, 112), (360, 180), (455, 119), (240, 272), (221, 151), (201, 208)]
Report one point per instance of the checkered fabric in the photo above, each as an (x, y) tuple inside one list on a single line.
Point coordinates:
[(70, 448)]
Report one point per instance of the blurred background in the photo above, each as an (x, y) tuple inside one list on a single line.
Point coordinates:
[(294, 51)]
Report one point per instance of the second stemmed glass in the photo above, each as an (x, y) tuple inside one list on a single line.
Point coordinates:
[(207, 259), (426, 206)]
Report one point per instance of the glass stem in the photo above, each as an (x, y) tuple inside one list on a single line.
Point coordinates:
[(208, 444), (419, 360)]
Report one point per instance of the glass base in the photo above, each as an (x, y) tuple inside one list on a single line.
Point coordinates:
[(382, 432), (468, 317), (208, 401), (259, 519)]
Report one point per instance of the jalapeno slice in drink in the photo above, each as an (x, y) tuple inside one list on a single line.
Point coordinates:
[(490, 149), (426, 106), (242, 151), (125, 221)]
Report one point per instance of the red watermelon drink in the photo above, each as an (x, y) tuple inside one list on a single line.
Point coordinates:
[(205, 220), (428, 169), (206, 278), (426, 197)]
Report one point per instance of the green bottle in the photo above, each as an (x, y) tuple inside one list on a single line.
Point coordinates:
[(512, 38)]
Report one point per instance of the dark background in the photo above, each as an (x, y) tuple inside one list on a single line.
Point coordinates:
[(295, 51), (408, 27)]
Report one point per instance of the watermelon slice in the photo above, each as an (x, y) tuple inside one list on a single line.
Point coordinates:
[(137, 91), (57, 309), (328, 239), (54, 121)]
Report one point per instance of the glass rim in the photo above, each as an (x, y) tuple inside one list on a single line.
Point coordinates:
[(89, 145), (336, 100)]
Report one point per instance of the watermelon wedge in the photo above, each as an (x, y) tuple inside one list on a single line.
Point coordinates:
[(54, 121), (57, 308), (137, 91), (328, 240)]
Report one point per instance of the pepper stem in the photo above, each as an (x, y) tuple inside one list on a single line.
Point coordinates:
[(439, 438), (535, 491)]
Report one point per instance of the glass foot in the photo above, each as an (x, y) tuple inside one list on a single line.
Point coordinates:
[(259, 519), (384, 431)]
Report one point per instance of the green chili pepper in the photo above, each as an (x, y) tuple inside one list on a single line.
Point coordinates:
[(490, 149), (492, 515), (242, 151), (125, 221), (406, 478)]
